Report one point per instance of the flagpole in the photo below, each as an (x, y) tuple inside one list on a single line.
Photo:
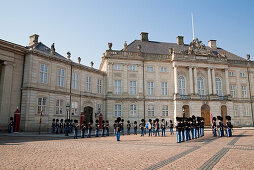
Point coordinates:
[(192, 26)]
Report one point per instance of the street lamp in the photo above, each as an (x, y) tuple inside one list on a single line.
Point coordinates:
[(183, 113), (68, 110)]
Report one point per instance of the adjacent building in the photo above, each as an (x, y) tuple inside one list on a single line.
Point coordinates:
[(145, 79)]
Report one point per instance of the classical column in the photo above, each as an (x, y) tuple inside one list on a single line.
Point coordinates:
[(5, 93), (195, 80), (214, 83), (191, 80), (176, 80), (110, 78), (125, 79), (210, 90), (227, 82)]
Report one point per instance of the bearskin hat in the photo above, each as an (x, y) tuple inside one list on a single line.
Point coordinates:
[(75, 121), (214, 118), (157, 120), (228, 117), (219, 118), (54, 120), (102, 121), (122, 120), (162, 120), (61, 120), (170, 121), (65, 120), (150, 120), (57, 120), (128, 121), (91, 121), (142, 120), (135, 122), (84, 122), (118, 119), (106, 121), (11, 118), (96, 121)]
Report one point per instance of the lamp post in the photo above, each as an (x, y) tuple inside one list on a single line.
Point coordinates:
[(183, 113), (68, 110)]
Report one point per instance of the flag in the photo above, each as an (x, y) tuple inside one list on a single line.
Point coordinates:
[(40, 117)]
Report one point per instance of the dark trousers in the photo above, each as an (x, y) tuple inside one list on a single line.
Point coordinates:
[(89, 133), (171, 131), (179, 139), (107, 132), (66, 131), (135, 131), (163, 132), (118, 136), (142, 132), (150, 132), (76, 134), (83, 134), (97, 133), (128, 132)]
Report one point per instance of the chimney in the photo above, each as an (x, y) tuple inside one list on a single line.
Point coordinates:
[(212, 44), (180, 40), (144, 36), (33, 40)]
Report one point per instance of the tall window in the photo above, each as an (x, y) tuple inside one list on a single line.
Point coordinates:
[(59, 107), (88, 83), (150, 88), (60, 77), (231, 73), (244, 91), (150, 110), (75, 80), (233, 91), (74, 108), (44, 73), (181, 85), (242, 74), (165, 110), (218, 87), (132, 67), (99, 86), (117, 86), (117, 66), (149, 68), (247, 111), (164, 88), (42, 105), (200, 84), (133, 87), (133, 110), (164, 69), (235, 111), (118, 110), (99, 108)]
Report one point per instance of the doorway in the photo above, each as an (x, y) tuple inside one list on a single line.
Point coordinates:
[(224, 113), (186, 110), (88, 112), (205, 113)]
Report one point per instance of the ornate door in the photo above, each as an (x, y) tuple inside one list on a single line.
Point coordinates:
[(224, 113), (88, 112), (205, 113)]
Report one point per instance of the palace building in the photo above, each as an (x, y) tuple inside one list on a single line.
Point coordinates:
[(146, 79)]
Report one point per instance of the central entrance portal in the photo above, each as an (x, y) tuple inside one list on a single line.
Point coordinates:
[(205, 113), (88, 112)]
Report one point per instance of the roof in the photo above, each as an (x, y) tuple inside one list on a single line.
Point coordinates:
[(41, 47), (162, 48)]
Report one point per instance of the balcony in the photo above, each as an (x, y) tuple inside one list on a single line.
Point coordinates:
[(223, 97), (185, 97), (204, 97)]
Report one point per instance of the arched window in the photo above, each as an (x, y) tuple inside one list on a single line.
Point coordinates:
[(218, 87), (181, 85), (200, 84)]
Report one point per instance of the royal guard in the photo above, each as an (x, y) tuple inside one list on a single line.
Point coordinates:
[(97, 126), (171, 126), (142, 126), (150, 127), (185, 124), (197, 127), (128, 127), (75, 126), (163, 127), (229, 126), (189, 128), (107, 128), (122, 126), (194, 136), (157, 127), (114, 127), (11, 125), (83, 129), (57, 125), (53, 126), (178, 129), (202, 126), (135, 128), (66, 129), (154, 124), (103, 128), (71, 125), (220, 126), (118, 126), (90, 128), (61, 126), (214, 126)]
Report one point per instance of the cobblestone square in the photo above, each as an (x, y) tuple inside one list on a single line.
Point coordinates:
[(132, 152)]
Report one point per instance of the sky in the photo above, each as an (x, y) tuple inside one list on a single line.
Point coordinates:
[(85, 27)]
